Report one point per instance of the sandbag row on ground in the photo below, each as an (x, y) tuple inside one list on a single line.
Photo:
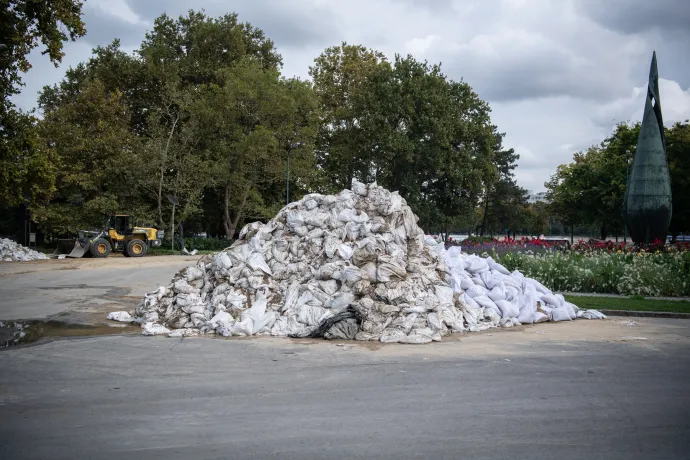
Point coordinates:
[(350, 266), (11, 251)]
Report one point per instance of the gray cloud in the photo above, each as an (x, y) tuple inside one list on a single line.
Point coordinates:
[(289, 24), (101, 29), (558, 74), (540, 72), (434, 6), (665, 24), (635, 16)]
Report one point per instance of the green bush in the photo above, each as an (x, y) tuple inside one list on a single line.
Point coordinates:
[(472, 240), (206, 244), (644, 274)]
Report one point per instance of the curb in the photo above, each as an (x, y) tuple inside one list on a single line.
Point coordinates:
[(646, 314)]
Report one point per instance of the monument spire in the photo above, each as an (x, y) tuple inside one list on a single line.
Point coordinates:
[(648, 194)]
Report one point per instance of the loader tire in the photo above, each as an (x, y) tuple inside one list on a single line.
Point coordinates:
[(136, 248), (100, 248)]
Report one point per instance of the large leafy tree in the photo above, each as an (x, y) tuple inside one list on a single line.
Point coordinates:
[(408, 127), (25, 23), (251, 120), (27, 170), (344, 77), (165, 88), (98, 160)]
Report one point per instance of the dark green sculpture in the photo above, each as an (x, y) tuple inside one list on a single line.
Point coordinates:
[(648, 194)]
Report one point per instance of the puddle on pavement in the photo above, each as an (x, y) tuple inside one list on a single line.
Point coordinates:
[(13, 333)]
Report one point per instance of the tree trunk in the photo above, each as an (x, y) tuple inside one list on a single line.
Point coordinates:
[(226, 214), (230, 225), (603, 232), (572, 234), (161, 224), (486, 213)]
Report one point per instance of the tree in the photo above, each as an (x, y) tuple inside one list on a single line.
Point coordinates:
[(565, 190), (343, 77), (503, 199), (27, 169), (250, 121), (24, 24), (177, 164), (164, 88), (678, 152), (405, 126), (591, 189), (98, 160)]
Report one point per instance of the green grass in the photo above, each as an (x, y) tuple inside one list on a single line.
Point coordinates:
[(634, 303)]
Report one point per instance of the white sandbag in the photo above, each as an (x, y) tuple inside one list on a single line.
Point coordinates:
[(345, 251), (221, 261), (560, 314), (340, 301), (121, 316), (312, 316), (416, 338), (497, 292), (540, 317), (392, 335), (591, 314), (508, 309), (551, 300), (498, 267), (257, 262), (221, 319), (186, 332), (153, 329)]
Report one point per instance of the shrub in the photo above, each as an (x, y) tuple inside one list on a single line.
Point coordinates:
[(642, 273)]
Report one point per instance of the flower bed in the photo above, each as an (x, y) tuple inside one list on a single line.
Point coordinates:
[(643, 273), (655, 270)]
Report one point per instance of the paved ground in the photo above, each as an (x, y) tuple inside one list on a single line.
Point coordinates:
[(81, 290), (614, 389)]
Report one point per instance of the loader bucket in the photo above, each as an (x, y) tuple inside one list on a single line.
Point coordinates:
[(72, 248)]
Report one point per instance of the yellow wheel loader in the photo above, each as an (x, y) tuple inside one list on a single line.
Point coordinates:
[(119, 235)]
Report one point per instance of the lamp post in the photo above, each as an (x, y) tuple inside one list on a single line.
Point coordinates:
[(173, 200), (291, 147)]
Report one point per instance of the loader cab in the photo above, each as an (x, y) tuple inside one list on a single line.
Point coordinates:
[(122, 224)]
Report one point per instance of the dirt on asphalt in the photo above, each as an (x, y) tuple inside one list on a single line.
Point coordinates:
[(116, 261)]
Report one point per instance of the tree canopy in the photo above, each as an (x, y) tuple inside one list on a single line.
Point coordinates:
[(591, 189), (200, 111)]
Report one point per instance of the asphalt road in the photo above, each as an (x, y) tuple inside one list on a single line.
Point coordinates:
[(81, 290), (536, 392)]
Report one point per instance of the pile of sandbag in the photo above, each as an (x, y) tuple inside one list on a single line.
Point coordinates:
[(512, 298), (15, 252), (350, 266)]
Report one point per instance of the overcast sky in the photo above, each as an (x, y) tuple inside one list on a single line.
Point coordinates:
[(558, 74)]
